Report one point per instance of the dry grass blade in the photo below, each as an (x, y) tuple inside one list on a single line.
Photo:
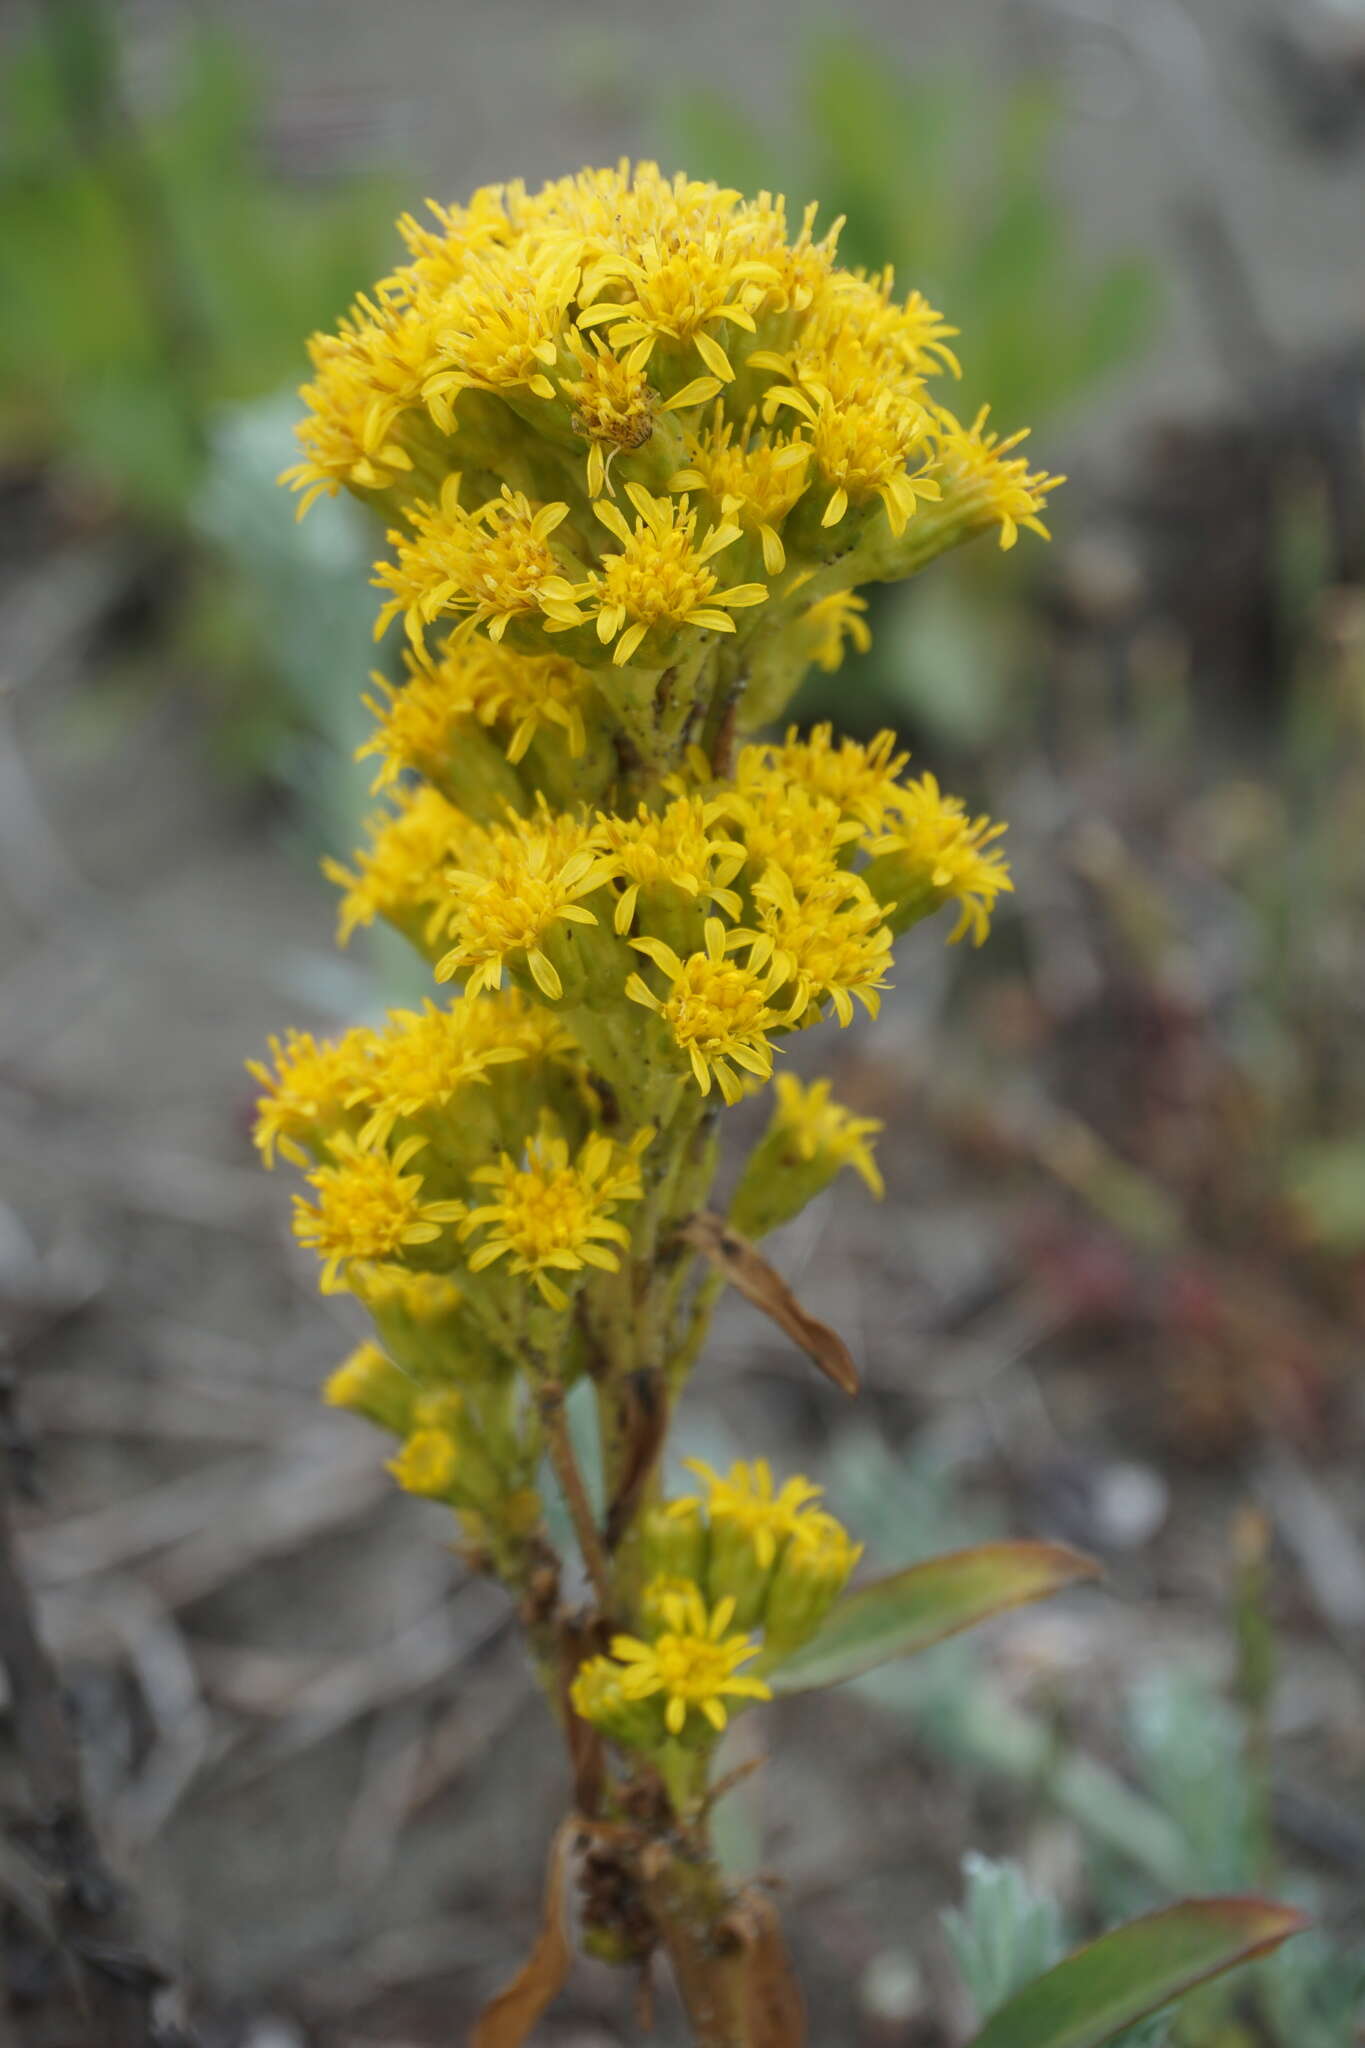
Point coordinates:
[(749, 1271), (508, 2018)]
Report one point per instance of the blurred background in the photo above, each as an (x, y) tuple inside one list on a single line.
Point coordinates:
[(1116, 1294)]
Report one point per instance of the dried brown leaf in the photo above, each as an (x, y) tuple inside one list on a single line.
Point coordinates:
[(757, 1281), (508, 2017)]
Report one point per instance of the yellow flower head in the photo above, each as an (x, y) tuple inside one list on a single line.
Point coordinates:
[(531, 875), (756, 477), (935, 854), (399, 875), (498, 328), (998, 486), (422, 1059), (660, 580), (368, 1383), (692, 1664), (367, 376), (428, 1464), (863, 449), (717, 1009), (833, 621), (830, 940), (677, 846), (421, 1298), (491, 567), (676, 288), (442, 253), (613, 405), (861, 780), (307, 1093), (367, 1208), (816, 1127), (786, 826), (747, 1500), (419, 722), (556, 1215)]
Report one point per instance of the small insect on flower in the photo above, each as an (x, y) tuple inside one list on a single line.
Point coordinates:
[(613, 406), (692, 1665), (556, 1215), (367, 1207), (718, 1009)]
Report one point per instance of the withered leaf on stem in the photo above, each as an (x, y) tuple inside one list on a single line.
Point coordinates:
[(757, 1281), (508, 2017)]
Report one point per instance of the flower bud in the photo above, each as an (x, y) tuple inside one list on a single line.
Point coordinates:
[(811, 1573), (368, 1383), (808, 1142), (673, 1541)]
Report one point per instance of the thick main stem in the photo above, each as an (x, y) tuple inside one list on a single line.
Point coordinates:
[(727, 1956)]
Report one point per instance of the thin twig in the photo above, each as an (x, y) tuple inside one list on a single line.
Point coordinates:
[(575, 1493)]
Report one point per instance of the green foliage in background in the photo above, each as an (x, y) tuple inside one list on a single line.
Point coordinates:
[(950, 177), (152, 269)]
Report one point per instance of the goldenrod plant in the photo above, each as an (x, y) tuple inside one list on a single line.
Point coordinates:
[(637, 442)]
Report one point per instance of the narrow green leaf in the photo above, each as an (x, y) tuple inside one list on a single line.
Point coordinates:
[(1134, 1971), (895, 1616)]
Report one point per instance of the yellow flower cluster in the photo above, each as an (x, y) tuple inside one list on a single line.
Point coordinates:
[(636, 442), (747, 1572)]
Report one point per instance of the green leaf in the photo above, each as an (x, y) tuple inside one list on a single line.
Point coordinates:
[(1134, 1971), (895, 1616)]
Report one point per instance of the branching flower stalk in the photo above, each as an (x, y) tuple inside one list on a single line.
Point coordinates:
[(636, 442)]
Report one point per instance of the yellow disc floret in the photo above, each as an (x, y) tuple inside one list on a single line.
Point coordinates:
[(367, 1207), (490, 567), (553, 1214), (420, 1061), (531, 876), (660, 579), (718, 1009), (816, 1127), (756, 477), (692, 1665), (306, 1093)]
